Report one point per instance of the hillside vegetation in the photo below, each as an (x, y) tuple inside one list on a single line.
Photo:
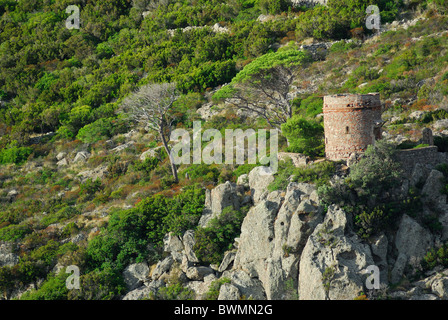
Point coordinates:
[(112, 201)]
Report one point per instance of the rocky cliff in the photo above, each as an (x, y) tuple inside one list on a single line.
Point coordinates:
[(291, 247)]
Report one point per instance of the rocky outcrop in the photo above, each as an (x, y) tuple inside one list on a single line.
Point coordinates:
[(81, 157), (7, 257), (290, 248), (224, 195), (334, 261), (135, 274), (259, 180), (412, 242), (273, 236)]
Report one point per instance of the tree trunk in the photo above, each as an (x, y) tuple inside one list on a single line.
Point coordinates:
[(168, 151)]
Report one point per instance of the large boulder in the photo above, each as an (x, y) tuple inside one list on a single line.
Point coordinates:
[(334, 261), (222, 196), (97, 173), (162, 267), (248, 287), (256, 239), (144, 292), (173, 244), (198, 273), (188, 242), (150, 153), (229, 292), (135, 274), (200, 288), (7, 257), (81, 157)]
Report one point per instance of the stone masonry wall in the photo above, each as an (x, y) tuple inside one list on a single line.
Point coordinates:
[(427, 156), (349, 122)]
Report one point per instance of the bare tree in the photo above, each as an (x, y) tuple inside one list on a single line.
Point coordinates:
[(152, 105)]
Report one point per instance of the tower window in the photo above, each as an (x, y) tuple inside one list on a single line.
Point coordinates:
[(347, 130)]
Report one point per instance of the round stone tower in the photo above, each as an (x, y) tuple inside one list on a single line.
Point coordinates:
[(351, 123)]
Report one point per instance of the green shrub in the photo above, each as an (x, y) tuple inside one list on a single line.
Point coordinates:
[(46, 253), (274, 6), (342, 46), (215, 286), (14, 232), (366, 192), (435, 115), (370, 222), (436, 257), (304, 136), (445, 76), (147, 165), (100, 129), (441, 143), (88, 188), (243, 169), (174, 291), (218, 236), (319, 174), (77, 118), (129, 232), (54, 288), (70, 229), (377, 172), (15, 154), (310, 106), (65, 213), (106, 284), (202, 171)]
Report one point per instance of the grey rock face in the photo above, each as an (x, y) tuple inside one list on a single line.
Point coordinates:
[(224, 195), (259, 180), (273, 235), (198, 273), (228, 292), (433, 186), (144, 291), (150, 153), (81, 156), (333, 263), (162, 267), (412, 242), (135, 274), (249, 288), (228, 259), (7, 257)]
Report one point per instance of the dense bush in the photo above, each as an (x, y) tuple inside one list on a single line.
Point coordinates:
[(129, 232), (15, 154), (54, 288), (436, 257), (100, 129), (369, 192), (319, 174), (218, 236), (304, 136), (204, 172)]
